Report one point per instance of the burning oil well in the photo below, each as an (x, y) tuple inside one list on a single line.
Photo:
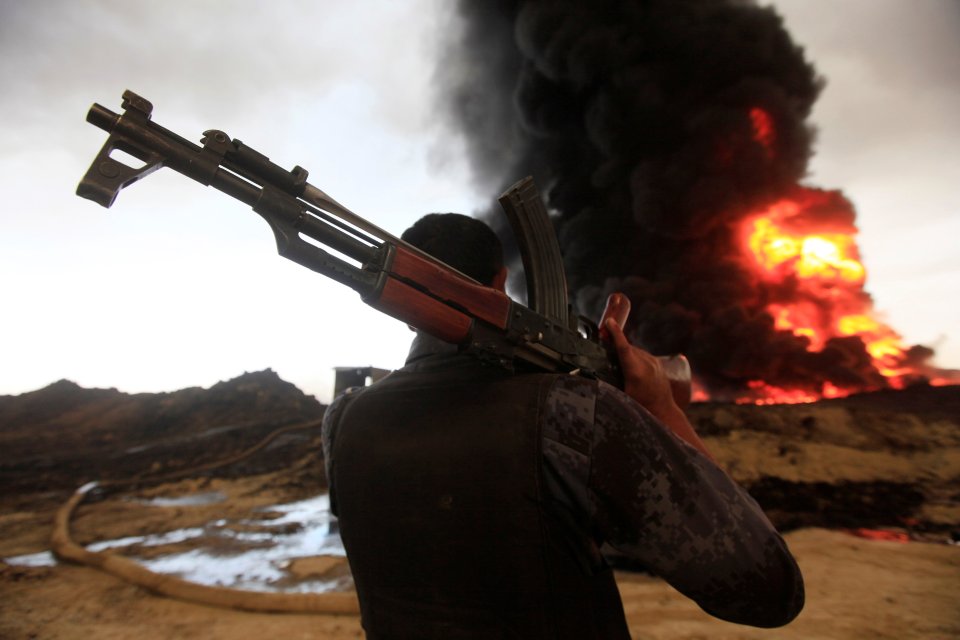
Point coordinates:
[(671, 139)]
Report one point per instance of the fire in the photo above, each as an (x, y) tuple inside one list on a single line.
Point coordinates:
[(813, 272), (763, 131), (763, 393), (799, 318), (801, 256), (882, 343), (821, 257), (886, 535)]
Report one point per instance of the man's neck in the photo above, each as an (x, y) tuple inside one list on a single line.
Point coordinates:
[(424, 345)]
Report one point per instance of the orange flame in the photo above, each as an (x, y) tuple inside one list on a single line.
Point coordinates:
[(810, 280), (763, 393), (821, 270), (823, 257), (763, 131)]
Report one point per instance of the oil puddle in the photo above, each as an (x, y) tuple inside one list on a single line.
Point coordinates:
[(191, 500), (292, 547), (42, 559)]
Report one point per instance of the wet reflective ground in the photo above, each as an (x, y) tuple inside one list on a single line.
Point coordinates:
[(290, 547)]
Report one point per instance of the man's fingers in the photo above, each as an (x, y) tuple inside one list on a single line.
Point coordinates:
[(631, 361), (643, 376), (619, 340)]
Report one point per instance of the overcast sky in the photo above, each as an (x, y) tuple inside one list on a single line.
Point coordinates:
[(178, 286)]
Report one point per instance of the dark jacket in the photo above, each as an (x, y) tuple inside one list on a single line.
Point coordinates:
[(472, 504)]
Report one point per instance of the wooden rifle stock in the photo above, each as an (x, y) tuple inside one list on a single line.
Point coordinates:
[(438, 301)]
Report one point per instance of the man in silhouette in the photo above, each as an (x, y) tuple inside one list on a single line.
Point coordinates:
[(473, 501)]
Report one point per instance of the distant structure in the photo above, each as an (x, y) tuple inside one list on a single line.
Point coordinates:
[(355, 377)]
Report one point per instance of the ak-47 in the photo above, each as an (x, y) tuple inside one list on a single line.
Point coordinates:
[(389, 274)]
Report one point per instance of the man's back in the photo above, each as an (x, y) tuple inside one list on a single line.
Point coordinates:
[(472, 501), (436, 477)]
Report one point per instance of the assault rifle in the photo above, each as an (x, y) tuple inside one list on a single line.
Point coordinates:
[(389, 274)]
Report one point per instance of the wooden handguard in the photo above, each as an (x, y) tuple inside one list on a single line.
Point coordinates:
[(490, 305), (407, 304), (437, 300)]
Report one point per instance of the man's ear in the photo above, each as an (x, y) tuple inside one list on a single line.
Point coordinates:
[(500, 280)]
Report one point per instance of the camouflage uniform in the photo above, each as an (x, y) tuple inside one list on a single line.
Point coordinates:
[(659, 501), (612, 473)]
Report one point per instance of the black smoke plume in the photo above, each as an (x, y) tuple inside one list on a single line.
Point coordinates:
[(637, 120)]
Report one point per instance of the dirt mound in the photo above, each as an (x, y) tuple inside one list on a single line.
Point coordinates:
[(885, 459), (63, 435), (889, 458)]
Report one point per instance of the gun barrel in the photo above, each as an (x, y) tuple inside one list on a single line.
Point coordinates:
[(102, 117)]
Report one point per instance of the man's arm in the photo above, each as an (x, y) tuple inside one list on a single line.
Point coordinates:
[(328, 434), (659, 497), (660, 501), (645, 381)]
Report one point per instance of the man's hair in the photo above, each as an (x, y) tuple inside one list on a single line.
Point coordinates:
[(464, 243)]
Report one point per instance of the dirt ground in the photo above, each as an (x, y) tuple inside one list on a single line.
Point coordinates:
[(880, 460), (856, 588)]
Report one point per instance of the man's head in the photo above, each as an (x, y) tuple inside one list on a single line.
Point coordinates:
[(464, 243)]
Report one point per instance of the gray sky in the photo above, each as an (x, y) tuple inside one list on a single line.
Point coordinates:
[(177, 285)]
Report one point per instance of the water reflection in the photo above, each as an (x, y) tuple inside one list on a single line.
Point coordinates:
[(191, 500), (275, 551), (42, 559)]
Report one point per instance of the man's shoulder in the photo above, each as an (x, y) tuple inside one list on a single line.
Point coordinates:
[(336, 408), (583, 396), (578, 405), (569, 412), (571, 396)]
